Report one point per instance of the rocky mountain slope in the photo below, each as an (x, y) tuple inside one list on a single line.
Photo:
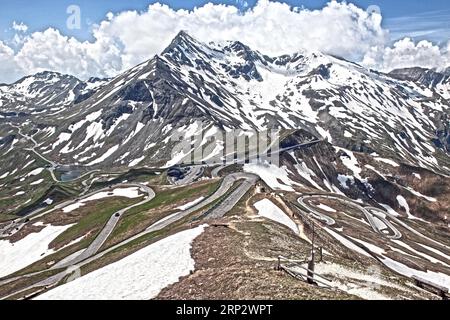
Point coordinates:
[(228, 85), (355, 138)]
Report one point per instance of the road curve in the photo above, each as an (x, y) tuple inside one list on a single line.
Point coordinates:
[(370, 217), (316, 214), (194, 173), (215, 172), (77, 262), (109, 227), (226, 184), (230, 202)]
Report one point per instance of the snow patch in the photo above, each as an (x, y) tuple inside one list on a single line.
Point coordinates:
[(272, 174), (190, 204), (139, 276), (32, 248), (269, 210)]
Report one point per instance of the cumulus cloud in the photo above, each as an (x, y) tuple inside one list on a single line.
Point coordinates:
[(49, 50), (405, 53), (125, 39), (9, 70), (271, 27), (20, 27)]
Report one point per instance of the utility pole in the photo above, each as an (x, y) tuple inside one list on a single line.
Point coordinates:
[(321, 254)]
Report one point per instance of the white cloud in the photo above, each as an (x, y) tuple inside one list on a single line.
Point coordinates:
[(125, 39), (49, 50), (271, 27), (405, 53), (9, 70), (20, 27)]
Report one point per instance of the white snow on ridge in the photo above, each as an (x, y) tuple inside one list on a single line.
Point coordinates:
[(364, 285), (307, 174), (349, 244), (37, 182), (344, 179), (419, 253), (351, 162), (176, 159), (271, 175), (132, 192), (139, 276), (388, 161), (73, 207), (269, 210), (135, 162), (402, 202), (438, 278), (35, 172), (435, 251), (139, 127), (190, 204), (4, 175), (106, 155), (32, 248), (418, 194), (326, 208), (64, 136), (389, 210)]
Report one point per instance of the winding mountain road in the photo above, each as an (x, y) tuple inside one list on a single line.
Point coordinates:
[(230, 202), (378, 222), (91, 253), (53, 165), (224, 187), (109, 227), (194, 173)]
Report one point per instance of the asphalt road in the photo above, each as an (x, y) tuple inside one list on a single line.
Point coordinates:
[(316, 214), (230, 202), (193, 174), (109, 227), (33, 149), (226, 184), (376, 221), (53, 165), (20, 222), (215, 172)]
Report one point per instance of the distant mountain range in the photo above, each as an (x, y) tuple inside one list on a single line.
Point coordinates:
[(228, 85), (364, 155)]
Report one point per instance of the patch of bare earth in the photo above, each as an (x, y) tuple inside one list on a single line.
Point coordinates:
[(238, 262)]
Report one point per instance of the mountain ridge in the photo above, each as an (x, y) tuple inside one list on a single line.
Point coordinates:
[(228, 85)]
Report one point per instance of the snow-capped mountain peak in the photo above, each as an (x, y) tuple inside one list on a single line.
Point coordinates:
[(229, 85)]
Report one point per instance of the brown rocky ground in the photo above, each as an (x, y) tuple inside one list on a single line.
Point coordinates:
[(239, 263), (236, 258)]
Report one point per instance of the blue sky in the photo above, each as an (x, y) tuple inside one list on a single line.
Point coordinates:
[(38, 41), (415, 18)]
